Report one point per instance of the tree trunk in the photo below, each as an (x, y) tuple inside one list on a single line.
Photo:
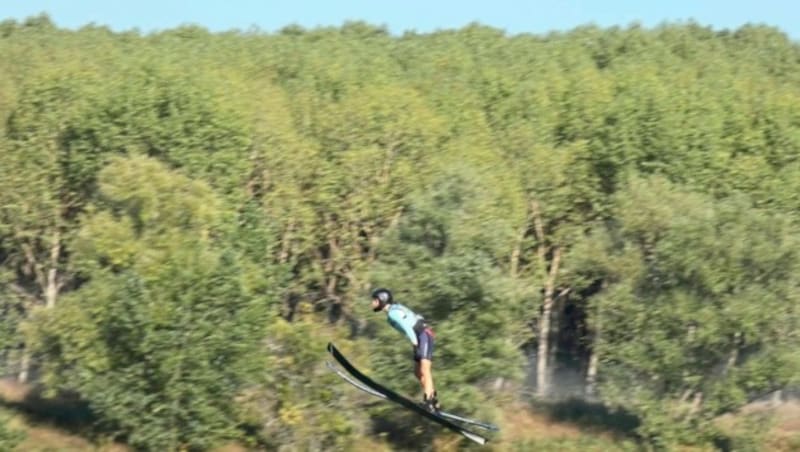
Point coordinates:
[(734, 354), (777, 398), (556, 319), (542, 357), (49, 284), (594, 356), (286, 242), (549, 274), (515, 254), (50, 296), (24, 367), (697, 403), (591, 374), (555, 328), (51, 292)]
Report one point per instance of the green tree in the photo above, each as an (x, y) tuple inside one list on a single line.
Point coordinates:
[(336, 198), (708, 322), (37, 203), (9, 438), (177, 118), (166, 333), (474, 307)]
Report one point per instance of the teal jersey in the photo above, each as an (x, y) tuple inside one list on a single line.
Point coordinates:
[(403, 320)]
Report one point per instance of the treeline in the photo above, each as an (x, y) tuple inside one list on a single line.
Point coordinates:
[(186, 218)]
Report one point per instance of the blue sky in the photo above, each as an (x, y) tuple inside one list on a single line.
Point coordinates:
[(514, 16)]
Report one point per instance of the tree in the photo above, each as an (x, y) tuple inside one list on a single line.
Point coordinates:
[(334, 201), (9, 438), (38, 204), (474, 308), (706, 325), (167, 331)]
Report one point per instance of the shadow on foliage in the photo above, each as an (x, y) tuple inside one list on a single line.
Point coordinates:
[(405, 432), (591, 416), (66, 411)]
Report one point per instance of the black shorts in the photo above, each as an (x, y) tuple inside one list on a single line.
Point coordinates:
[(424, 349)]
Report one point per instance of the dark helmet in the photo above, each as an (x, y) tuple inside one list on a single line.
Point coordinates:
[(383, 296)]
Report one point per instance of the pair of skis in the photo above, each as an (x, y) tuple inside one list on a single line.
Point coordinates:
[(366, 384)]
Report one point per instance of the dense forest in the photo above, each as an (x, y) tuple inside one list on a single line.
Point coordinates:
[(187, 218)]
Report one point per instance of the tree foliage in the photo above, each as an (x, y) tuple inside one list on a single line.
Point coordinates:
[(187, 217), (167, 332)]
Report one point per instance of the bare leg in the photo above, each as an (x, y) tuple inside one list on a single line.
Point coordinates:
[(418, 374), (425, 376)]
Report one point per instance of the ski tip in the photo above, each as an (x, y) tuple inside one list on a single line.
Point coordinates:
[(330, 347), (478, 439)]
